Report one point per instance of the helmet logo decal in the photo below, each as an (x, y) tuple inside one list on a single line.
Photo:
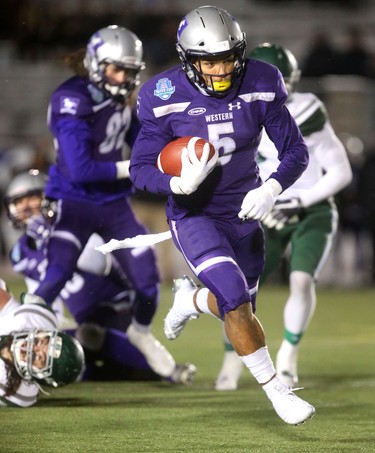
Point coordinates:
[(69, 105), (164, 89), (95, 42), (181, 28)]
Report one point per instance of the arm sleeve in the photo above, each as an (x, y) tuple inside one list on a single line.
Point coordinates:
[(285, 134), (331, 156), (150, 141), (75, 149)]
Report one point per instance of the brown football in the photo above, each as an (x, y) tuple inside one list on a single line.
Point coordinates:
[(169, 159)]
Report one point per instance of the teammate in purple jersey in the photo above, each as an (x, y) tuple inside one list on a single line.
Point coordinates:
[(90, 117), (98, 295), (214, 208)]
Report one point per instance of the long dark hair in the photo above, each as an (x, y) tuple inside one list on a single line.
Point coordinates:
[(74, 61), (13, 378)]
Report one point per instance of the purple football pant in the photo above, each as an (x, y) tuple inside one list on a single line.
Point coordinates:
[(226, 256)]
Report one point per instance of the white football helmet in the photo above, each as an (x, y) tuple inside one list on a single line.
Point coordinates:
[(22, 185), (121, 47), (209, 31), (48, 357)]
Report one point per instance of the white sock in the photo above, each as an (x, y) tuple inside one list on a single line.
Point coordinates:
[(140, 327), (202, 301), (260, 365), (300, 306)]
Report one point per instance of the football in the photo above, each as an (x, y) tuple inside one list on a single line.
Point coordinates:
[(169, 159)]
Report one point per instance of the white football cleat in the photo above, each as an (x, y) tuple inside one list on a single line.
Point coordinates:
[(156, 355), (230, 372), (286, 364), (181, 311), (288, 406), (184, 374)]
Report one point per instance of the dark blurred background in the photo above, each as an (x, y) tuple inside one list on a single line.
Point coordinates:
[(334, 42)]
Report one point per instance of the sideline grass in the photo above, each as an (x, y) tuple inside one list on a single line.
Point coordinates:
[(337, 369)]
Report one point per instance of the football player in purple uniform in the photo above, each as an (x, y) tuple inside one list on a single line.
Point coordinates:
[(98, 295), (90, 117), (214, 211)]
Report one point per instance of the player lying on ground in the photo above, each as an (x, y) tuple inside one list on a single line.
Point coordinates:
[(33, 353)]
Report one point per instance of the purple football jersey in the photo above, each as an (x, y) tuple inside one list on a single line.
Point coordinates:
[(89, 133), (169, 106)]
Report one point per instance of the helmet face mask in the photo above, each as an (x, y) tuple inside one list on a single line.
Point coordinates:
[(208, 33), (24, 197), (116, 46), (48, 357), (282, 58)]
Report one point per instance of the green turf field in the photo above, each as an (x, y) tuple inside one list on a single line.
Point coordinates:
[(337, 369)]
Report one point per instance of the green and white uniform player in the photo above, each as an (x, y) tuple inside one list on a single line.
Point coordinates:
[(303, 221), (15, 317), (32, 351)]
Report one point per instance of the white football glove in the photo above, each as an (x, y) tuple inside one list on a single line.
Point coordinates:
[(284, 212), (273, 220), (258, 203), (194, 171), (122, 168)]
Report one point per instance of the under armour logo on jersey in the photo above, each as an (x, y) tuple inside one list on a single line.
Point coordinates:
[(69, 105), (237, 106)]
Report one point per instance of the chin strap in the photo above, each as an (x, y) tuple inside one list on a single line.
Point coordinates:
[(41, 389)]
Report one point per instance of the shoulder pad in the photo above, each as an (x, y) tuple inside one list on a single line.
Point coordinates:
[(72, 98)]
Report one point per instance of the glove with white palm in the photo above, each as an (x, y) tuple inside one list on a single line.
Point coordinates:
[(284, 212), (194, 170), (258, 203)]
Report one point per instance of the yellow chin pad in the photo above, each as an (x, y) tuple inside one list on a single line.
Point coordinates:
[(222, 85)]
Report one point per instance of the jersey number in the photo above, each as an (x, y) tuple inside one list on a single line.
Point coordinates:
[(117, 126), (225, 145)]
